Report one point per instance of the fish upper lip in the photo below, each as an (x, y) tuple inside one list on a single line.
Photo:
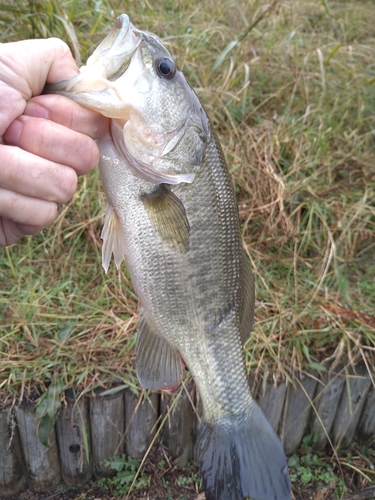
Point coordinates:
[(139, 34), (122, 48)]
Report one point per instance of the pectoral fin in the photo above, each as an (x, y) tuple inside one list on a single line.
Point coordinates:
[(113, 239), (168, 217), (157, 364)]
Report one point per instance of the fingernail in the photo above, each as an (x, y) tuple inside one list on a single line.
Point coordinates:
[(36, 110)]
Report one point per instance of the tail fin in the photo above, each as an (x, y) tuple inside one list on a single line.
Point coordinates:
[(243, 458)]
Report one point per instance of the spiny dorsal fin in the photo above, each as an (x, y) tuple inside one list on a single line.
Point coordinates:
[(157, 364), (168, 217), (248, 307), (113, 239)]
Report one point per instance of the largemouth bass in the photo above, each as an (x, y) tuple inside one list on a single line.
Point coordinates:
[(172, 215)]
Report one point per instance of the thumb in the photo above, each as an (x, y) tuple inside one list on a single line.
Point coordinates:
[(26, 66)]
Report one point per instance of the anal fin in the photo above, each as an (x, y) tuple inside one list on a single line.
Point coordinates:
[(157, 364)]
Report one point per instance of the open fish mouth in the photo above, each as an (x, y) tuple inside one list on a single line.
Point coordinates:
[(117, 49), (108, 62)]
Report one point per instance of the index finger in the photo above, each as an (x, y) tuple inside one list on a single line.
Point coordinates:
[(27, 65), (65, 112)]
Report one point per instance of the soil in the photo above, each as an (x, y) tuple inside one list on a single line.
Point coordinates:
[(168, 482)]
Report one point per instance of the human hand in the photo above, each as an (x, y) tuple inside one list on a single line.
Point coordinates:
[(46, 141)]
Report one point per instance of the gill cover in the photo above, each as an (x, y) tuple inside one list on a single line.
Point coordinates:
[(133, 79)]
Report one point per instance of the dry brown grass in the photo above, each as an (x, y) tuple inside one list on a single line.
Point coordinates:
[(293, 104)]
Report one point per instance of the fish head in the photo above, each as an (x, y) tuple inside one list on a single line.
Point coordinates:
[(158, 123)]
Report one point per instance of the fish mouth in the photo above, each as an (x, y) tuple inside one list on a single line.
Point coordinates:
[(115, 52), (108, 62)]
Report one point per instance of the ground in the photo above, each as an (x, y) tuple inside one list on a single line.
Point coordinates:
[(164, 481)]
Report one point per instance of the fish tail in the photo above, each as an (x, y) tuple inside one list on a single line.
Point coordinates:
[(243, 457)]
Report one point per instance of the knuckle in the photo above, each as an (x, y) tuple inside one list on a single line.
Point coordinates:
[(21, 209), (99, 126), (68, 185), (41, 138), (50, 215), (59, 46), (37, 136), (87, 153), (92, 154), (17, 205)]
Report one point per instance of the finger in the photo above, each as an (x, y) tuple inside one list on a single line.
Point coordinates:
[(10, 231), (30, 175), (68, 113), (53, 142), (36, 61), (22, 209)]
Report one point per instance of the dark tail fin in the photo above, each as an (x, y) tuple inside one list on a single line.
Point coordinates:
[(243, 458)]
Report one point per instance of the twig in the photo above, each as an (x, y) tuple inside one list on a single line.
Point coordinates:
[(362, 495), (236, 43), (257, 20)]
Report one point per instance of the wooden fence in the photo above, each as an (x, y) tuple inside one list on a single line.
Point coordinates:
[(336, 409)]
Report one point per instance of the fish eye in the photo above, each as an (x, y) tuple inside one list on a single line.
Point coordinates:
[(165, 67)]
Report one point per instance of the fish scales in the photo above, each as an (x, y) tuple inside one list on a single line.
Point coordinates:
[(172, 215), (178, 303)]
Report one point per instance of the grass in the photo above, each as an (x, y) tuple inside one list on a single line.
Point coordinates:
[(293, 101)]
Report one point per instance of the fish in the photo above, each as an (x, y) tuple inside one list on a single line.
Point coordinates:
[(172, 216)]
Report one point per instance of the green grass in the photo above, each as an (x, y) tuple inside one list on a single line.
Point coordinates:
[(294, 105), (126, 473)]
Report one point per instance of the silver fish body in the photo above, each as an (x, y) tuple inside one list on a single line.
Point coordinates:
[(172, 215)]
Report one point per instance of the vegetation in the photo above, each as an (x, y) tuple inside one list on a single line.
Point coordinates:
[(126, 469), (308, 469), (290, 89)]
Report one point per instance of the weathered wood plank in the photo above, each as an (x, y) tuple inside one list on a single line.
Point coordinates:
[(177, 427), (296, 413), (110, 416), (12, 467), (140, 422), (42, 464), (326, 403), (366, 428), (107, 417), (73, 437), (350, 407), (271, 399)]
